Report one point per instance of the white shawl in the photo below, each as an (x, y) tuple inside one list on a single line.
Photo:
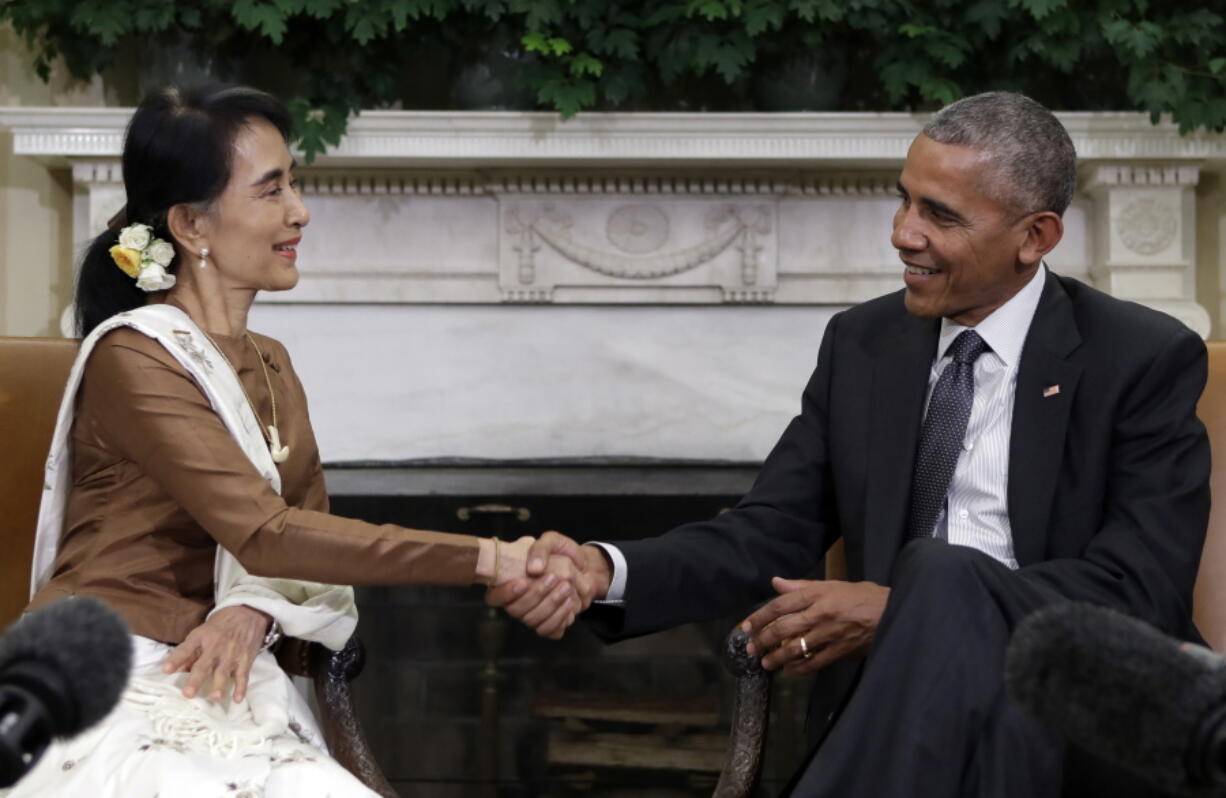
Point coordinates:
[(308, 610)]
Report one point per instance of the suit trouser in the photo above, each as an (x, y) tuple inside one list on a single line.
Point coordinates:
[(929, 717)]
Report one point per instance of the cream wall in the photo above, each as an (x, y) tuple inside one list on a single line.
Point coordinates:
[(36, 249)]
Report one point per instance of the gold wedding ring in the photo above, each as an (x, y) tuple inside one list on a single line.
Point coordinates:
[(805, 653)]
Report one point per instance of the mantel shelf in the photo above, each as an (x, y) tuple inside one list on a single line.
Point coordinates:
[(474, 139)]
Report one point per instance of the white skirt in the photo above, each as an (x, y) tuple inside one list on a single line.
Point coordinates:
[(158, 743)]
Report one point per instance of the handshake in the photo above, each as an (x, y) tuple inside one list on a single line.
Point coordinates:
[(548, 581), (809, 624)]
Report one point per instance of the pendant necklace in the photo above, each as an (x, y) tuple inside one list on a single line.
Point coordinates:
[(271, 435)]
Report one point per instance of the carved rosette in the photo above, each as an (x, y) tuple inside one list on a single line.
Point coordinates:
[(1147, 226), (637, 229)]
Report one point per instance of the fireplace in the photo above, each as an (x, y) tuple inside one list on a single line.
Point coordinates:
[(460, 701)]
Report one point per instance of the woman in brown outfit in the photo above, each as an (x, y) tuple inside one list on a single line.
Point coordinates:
[(160, 476)]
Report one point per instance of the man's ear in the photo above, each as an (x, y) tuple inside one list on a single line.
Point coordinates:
[(1043, 231), (190, 227)]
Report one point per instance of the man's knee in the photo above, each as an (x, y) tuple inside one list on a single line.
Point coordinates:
[(935, 574), (929, 560), (935, 583), (943, 598)]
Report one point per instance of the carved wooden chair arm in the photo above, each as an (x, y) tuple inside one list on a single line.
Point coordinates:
[(750, 712), (331, 672)]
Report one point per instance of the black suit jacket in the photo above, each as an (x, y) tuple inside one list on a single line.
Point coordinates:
[(1107, 486)]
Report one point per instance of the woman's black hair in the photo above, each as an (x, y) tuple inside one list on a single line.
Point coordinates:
[(178, 149)]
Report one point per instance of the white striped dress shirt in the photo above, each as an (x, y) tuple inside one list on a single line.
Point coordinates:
[(976, 510)]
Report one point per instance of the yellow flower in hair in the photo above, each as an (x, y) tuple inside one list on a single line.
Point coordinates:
[(126, 259)]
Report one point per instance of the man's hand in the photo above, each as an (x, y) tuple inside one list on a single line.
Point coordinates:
[(563, 580), (222, 647), (835, 620)]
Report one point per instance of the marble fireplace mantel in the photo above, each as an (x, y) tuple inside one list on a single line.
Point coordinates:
[(510, 285), (505, 207)]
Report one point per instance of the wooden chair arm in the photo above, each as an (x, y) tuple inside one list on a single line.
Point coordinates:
[(331, 672), (750, 713)]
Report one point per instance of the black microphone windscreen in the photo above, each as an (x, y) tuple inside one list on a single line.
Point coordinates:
[(1115, 686), (83, 641)]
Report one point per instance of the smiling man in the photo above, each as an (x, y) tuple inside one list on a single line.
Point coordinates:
[(989, 440)]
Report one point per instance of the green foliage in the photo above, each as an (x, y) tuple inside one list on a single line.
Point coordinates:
[(319, 128), (336, 57)]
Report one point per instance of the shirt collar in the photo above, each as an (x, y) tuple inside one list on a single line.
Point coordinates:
[(1005, 328)]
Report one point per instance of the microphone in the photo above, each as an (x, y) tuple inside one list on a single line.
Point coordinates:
[(62, 669), (1124, 691)]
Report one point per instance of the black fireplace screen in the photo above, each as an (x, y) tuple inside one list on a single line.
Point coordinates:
[(458, 700)]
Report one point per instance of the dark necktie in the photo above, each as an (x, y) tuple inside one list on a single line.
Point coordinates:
[(942, 433)]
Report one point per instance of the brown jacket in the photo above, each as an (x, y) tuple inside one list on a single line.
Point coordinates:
[(158, 481)]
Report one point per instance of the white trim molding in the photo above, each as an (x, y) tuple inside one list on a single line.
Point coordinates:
[(504, 138)]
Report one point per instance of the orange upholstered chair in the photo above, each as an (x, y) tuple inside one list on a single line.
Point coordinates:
[(32, 376), (1209, 601)]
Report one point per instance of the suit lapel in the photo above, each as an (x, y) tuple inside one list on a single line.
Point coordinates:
[(1046, 385), (900, 384)]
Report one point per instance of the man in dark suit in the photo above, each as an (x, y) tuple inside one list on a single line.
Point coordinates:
[(989, 440)]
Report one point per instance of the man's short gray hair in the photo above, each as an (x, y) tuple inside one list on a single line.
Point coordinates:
[(1034, 165)]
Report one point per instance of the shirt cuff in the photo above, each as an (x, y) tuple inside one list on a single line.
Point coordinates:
[(617, 582)]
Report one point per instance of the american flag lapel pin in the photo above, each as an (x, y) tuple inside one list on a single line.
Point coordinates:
[(1051, 390)]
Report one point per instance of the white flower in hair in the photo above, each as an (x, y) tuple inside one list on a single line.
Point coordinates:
[(154, 278), (135, 236), (161, 252), (144, 257)]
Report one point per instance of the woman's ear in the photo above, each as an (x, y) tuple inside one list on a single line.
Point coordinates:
[(190, 227)]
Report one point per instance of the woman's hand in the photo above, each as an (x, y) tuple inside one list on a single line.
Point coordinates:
[(223, 647), (512, 559), (500, 561), (561, 586)]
